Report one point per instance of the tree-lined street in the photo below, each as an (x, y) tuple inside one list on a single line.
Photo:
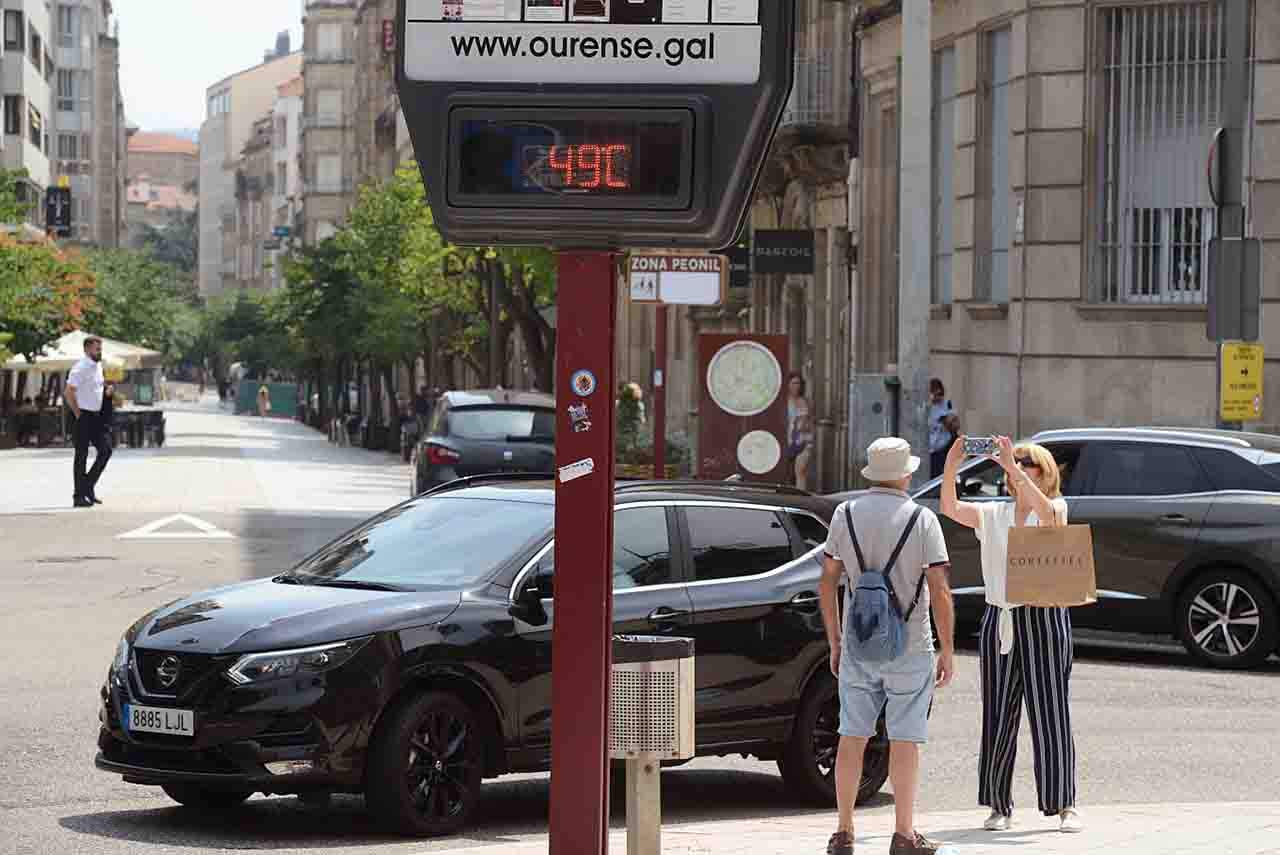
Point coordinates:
[(1150, 727)]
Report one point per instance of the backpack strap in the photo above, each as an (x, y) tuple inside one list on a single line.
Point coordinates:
[(857, 549), (893, 559), (902, 541)]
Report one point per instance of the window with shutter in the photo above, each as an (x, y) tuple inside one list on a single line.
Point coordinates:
[(1162, 73)]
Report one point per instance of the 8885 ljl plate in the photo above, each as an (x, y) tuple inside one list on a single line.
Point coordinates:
[(159, 720)]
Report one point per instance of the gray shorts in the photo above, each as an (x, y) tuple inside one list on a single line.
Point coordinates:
[(902, 688)]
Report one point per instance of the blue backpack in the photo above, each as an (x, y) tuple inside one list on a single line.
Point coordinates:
[(875, 627)]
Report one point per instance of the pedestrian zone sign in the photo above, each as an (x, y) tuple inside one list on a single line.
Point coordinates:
[(677, 279), (1241, 382)]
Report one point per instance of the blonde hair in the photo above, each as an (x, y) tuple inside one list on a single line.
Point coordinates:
[(1050, 480)]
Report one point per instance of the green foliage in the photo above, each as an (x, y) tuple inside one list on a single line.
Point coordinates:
[(144, 301), (44, 293), (176, 242), (13, 211)]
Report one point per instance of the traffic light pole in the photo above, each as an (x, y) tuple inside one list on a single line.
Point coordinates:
[(1231, 214), (581, 642)]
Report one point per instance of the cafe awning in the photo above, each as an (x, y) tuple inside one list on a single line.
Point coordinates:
[(66, 351)]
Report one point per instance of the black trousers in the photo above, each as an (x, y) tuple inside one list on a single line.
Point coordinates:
[(1038, 669), (91, 429)]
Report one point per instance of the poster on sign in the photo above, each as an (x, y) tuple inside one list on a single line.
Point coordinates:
[(551, 11), (589, 11), (571, 41)]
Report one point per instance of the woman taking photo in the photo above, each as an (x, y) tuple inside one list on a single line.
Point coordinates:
[(1026, 651)]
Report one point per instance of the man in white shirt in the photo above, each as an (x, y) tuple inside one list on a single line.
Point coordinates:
[(86, 385)]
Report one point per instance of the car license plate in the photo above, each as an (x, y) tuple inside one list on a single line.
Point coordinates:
[(160, 720)]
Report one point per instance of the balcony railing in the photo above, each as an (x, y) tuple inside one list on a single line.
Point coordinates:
[(820, 98)]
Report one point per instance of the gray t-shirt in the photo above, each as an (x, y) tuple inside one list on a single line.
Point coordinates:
[(879, 517)]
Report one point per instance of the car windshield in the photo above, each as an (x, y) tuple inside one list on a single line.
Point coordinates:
[(433, 543), (502, 423)]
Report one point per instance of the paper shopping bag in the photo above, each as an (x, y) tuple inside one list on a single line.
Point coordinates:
[(1051, 566)]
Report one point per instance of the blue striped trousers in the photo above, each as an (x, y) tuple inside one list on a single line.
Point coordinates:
[(1037, 670)]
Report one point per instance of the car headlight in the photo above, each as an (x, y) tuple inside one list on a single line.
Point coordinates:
[(258, 667), (121, 662)]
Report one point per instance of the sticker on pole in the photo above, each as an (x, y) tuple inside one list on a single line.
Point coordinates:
[(574, 471), (677, 279), (575, 41)]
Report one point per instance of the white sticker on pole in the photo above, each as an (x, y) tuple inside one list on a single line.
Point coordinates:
[(574, 471), (576, 41)]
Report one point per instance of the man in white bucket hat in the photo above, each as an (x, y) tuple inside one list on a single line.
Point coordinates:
[(886, 521)]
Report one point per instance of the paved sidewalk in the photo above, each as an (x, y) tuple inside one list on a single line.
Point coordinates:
[(227, 463), (1199, 829)]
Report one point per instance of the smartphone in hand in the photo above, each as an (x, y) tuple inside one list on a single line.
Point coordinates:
[(980, 446)]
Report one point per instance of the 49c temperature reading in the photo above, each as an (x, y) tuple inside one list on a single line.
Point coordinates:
[(582, 167)]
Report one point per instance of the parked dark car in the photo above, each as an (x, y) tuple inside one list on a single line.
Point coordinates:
[(1186, 528), (411, 657), (484, 432)]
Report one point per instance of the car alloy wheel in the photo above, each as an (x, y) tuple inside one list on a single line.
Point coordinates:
[(1223, 619), (438, 762), (1227, 619), (808, 763), (425, 769)]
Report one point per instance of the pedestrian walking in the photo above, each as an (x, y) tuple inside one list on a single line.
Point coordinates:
[(1026, 651), (944, 426), (86, 387), (799, 430), (891, 557)]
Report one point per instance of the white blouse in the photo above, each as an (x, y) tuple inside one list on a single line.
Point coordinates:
[(994, 521)]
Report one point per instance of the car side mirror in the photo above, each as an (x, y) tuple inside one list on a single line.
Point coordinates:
[(528, 605), (543, 586)]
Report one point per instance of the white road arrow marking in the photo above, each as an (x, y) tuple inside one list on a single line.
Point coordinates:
[(152, 530)]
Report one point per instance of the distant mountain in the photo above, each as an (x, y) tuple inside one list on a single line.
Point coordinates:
[(192, 134)]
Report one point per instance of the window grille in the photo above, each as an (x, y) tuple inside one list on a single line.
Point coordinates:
[(1162, 75)]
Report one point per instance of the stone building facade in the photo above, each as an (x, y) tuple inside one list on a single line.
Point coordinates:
[(250, 229), (377, 105), (164, 159), (1072, 217), (235, 103), (328, 142)]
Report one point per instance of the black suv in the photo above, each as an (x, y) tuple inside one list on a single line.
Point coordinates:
[(482, 432), (411, 657), (1186, 529)]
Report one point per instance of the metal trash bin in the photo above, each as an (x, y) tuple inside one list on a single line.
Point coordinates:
[(651, 719)]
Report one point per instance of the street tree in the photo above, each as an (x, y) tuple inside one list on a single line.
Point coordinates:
[(145, 301), (15, 208)]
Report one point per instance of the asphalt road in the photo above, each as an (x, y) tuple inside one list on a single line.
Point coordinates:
[(1150, 727)]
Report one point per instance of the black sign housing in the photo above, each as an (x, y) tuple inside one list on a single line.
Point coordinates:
[(656, 162), (57, 210)]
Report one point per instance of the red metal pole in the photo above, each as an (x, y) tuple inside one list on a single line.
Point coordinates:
[(660, 395), (581, 641)]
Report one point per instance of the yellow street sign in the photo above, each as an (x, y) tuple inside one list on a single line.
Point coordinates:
[(1241, 386)]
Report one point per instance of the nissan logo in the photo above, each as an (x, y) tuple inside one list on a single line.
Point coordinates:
[(168, 670)]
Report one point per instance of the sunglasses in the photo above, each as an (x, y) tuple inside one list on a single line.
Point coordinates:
[(1027, 463)]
